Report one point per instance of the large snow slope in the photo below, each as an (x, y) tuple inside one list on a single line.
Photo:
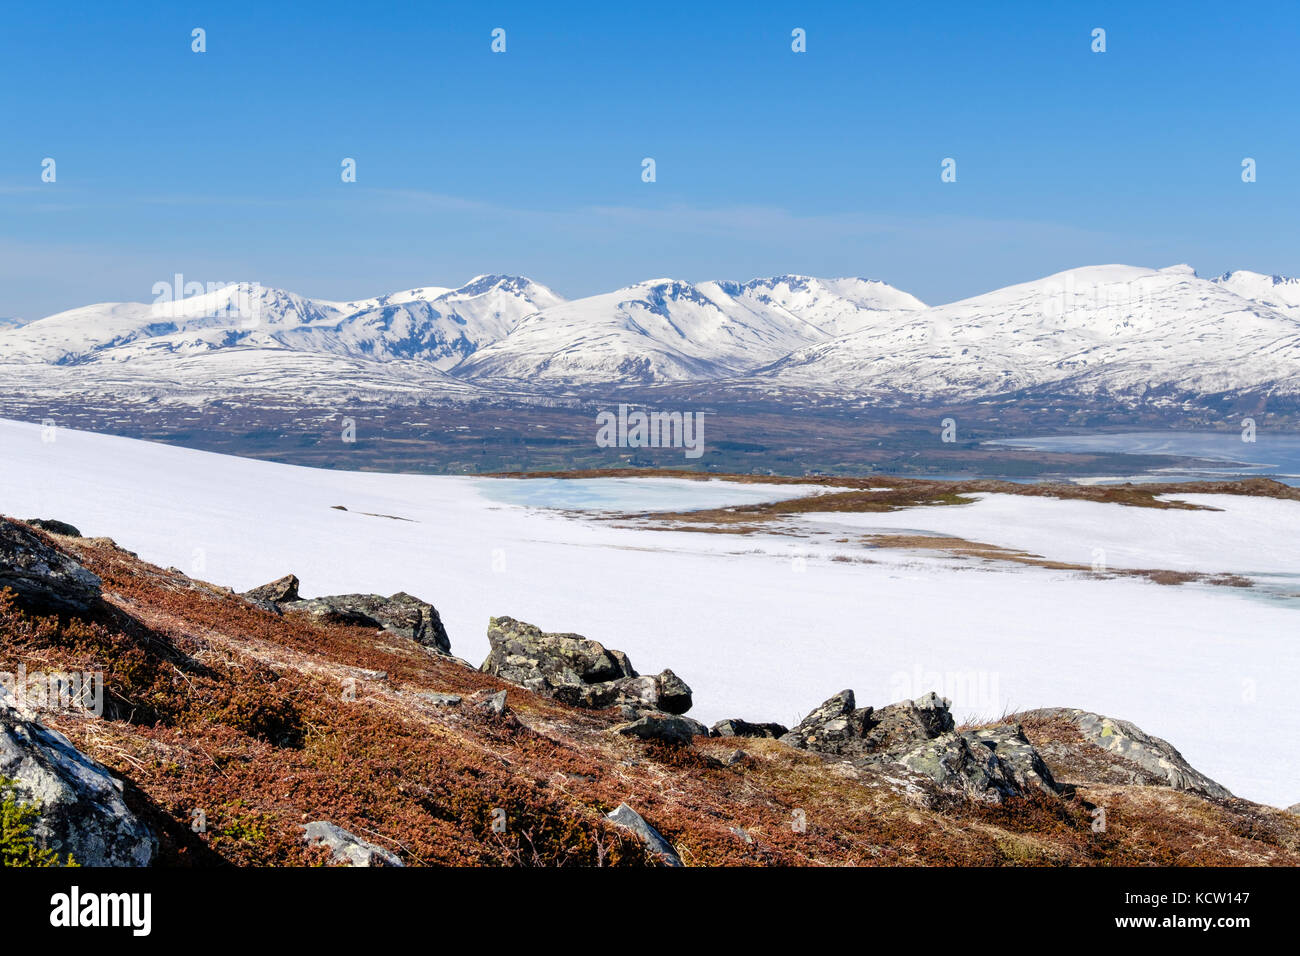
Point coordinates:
[(763, 627)]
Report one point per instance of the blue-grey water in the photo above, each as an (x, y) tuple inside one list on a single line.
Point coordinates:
[(1227, 456), (631, 494)]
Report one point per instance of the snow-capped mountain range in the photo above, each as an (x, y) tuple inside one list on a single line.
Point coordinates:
[(1119, 332)]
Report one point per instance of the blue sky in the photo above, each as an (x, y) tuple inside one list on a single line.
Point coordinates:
[(225, 165)]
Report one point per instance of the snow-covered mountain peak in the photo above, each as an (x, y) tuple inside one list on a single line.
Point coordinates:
[(1279, 292)]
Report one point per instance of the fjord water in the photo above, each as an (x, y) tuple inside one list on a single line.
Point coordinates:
[(1221, 454)]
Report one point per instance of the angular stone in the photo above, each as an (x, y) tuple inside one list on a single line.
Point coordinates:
[(674, 694), (735, 727), (400, 614), (839, 728), (671, 728), (53, 526), (45, 580), (989, 765), (908, 723), (279, 591), (835, 725), (347, 849), (629, 819), (523, 654)]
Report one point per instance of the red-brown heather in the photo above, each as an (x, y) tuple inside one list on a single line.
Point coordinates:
[(213, 704)]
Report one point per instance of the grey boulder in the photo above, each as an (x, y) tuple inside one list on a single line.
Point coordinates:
[(670, 728), (347, 849), (400, 614), (44, 579), (990, 765), (80, 802), (735, 727), (661, 849), (838, 727), (577, 671), (1157, 760), (279, 591)]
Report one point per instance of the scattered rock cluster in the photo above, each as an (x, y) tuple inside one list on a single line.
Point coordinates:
[(83, 812), (399, 613), (919, 735)]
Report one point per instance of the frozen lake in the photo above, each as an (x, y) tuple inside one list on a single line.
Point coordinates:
[(1274, 455)]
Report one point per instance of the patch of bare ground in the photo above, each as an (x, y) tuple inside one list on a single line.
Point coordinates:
[(882, 494), (256, 723), (960, 547)]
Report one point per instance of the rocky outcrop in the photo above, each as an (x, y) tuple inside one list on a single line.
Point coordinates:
[(347, 849), (735, 727), (81, 805), (400, 614), (670, 728), (54, 526), (1152, 759), (990, 764), (839, 727), (45, 580), (661, 849), (577, 671), (279, 591)]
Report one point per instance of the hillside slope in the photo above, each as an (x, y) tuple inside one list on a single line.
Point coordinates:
[(255, 718)]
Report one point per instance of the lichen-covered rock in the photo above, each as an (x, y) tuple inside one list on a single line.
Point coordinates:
[(400, 613), (670, 728), (664, 691), (839, 727), (674, 694), (493, 704), (577, 671), (661, 849), (44, 579), (1155, 758), (835, 725), (991, 764), (735, 727), (81, 805), (347, 849), (907, 723), (544, 663)]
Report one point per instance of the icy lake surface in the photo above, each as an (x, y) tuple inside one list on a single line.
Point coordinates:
[(762, 626), (1274, 455), (634, 494)]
